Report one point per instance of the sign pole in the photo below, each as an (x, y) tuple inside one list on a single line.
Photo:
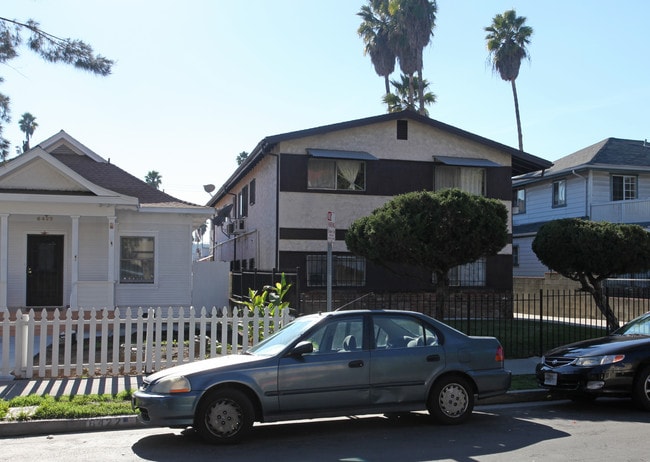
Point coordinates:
[(331, 237)]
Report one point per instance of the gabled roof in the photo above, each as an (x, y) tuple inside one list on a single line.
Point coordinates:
[(92, 175), (609, 154), (522, 162)]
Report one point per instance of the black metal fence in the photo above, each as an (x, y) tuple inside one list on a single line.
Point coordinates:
[(526, 324), (256, 280)]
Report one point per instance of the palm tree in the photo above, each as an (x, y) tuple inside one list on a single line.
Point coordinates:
[(27, 124), (154, 179), (507, 39), (398, 30), (399, 100), (412, 28), (374, 30)]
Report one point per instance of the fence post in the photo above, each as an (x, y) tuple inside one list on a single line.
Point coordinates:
[(22, 337), (541, 322)]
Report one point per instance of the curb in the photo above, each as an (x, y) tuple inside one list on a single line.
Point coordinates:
[(46, 427), (517, 396)]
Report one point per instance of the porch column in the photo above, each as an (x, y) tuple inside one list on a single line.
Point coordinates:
[(4, 258), (112, 246), (74, 277)]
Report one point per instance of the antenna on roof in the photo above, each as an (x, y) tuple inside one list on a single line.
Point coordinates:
[(208, 188)]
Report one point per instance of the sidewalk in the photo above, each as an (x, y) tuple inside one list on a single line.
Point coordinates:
[(113, 385)]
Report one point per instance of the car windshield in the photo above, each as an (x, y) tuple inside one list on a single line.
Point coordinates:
[(282, 338), (638, 326)]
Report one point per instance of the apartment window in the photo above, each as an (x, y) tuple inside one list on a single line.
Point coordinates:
[(347, 270), (515, 255), (468, 275), (243, 203), (624, 187), (559, 193), (468, 179), (251, 192), (137, 260), (519, 201), (339, 174), (402, 129)]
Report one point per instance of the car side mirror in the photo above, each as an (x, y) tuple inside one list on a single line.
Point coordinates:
[(302, 348)]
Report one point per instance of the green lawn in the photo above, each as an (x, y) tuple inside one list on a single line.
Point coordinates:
[(525, 338)]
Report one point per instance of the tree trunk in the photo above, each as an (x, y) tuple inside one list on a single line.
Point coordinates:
[(595, 288), (514, 94), (387, 83), (442, 294), (411, 92), (421, 92)]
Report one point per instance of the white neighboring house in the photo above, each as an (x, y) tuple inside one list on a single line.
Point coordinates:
[(609, 181), (77, 231)]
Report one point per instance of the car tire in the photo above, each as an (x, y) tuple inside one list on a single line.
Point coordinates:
[(641, 391), (451, 400), (224, 416)]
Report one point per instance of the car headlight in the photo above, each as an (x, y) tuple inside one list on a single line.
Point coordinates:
[(172, 384), (589, 361)]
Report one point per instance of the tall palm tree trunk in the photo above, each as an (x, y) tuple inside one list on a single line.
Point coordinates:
[(519, 135), (422, 110)]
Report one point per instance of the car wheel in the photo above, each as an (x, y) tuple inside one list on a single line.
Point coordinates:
[(451, 400), (641, 392), (224, 416)]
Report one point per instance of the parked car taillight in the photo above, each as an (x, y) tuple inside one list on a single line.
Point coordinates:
[(500, 356)]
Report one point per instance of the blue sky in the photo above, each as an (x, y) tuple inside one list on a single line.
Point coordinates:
[(197, 82)]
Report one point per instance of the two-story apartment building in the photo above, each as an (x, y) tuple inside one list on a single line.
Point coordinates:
[(608, 181), (272, 213)]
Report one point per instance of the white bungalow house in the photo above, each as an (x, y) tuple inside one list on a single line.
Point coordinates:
[(608, 181), (77, 231)]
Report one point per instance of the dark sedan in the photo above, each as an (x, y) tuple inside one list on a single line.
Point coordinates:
[(617, 365), (330, 364)]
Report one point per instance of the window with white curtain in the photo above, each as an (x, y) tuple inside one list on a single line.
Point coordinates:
[(468, 179), (339, 174)]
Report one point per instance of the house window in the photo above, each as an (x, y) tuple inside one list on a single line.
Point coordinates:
[(347, 270), (340, 174), (519, 201), (469, 274), (624, 187), (251, 189), (559, 193), (468, 179), (243, 203), (137, 256), (515, 255)]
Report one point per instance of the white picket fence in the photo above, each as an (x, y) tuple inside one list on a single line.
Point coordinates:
[(105, 342)]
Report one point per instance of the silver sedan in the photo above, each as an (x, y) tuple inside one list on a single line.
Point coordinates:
[(330, 364)]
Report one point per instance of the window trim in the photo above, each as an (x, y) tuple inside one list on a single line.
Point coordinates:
[(517, 209), (156, 258), (624, 177), (555, 201)]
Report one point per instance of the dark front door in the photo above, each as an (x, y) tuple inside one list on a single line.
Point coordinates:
[(44, 270)]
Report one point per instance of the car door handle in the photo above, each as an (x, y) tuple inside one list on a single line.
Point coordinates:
[(433, 358), (357, 363)]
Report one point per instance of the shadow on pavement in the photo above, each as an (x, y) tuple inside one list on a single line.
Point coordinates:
[(410, 438)]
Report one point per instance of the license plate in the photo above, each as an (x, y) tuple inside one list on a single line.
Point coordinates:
[(550, 378)]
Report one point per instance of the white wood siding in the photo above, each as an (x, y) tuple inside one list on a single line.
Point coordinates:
[(529, 265), (173, 261)]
